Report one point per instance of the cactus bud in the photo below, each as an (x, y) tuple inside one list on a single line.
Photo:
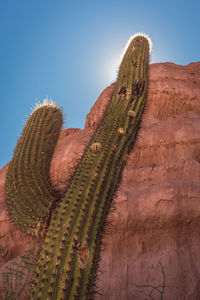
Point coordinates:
[(121, 130), (96, 147), (96, 175), (131, 113)]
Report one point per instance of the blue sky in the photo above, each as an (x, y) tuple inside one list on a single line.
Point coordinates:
[(70, 50)]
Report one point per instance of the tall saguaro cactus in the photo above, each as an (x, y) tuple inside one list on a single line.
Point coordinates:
[(29, 193), (67, 263)]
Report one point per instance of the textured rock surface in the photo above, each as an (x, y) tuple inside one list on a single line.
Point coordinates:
[(155, 225), (154, 232), (97, 111)]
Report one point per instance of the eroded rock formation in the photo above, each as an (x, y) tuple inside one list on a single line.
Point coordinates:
[(153, 233)]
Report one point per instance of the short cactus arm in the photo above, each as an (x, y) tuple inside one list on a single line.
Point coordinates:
[(29, 193), (69, 257)]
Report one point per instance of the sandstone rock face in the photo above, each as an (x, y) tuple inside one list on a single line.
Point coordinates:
[(152, 248), (97, 111)]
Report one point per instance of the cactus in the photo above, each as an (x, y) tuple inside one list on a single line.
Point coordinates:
[(29, 193), (67, 264)]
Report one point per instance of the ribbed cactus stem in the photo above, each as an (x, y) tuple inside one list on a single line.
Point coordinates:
[(29, 193), (69, 257)]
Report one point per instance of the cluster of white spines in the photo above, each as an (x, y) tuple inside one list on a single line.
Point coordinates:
[(138, 34), (46, 102)]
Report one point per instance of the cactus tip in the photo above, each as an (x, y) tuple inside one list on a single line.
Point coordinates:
[(132, 37), (46, 102), (142, 34)]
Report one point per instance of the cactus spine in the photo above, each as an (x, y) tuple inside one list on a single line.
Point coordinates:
[(67, 263), (29, 193)]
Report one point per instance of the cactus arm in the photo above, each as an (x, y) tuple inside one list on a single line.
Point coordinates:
[(29, 193)]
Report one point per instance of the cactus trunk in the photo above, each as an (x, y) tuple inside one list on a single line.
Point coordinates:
[(68, 261)]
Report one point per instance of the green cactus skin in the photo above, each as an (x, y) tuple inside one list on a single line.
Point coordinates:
[(29, 193), (68, 261)]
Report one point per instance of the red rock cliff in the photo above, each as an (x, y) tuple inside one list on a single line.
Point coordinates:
[(152, 248)]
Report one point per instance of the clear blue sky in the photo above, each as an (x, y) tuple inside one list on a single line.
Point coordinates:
[(69, 51)]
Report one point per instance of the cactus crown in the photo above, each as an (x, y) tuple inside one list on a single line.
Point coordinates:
[(46, 102), (132, 37)]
